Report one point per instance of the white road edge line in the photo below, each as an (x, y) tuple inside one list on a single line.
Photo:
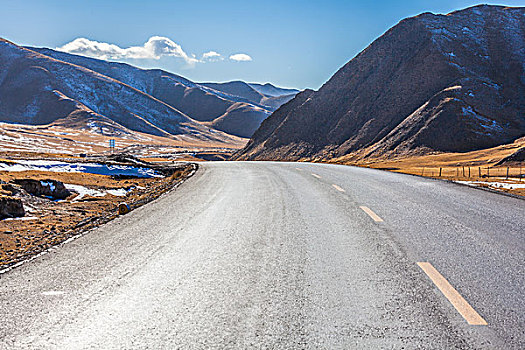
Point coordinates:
[(370, 213), (315, 175), (462, 306), (338, 188)]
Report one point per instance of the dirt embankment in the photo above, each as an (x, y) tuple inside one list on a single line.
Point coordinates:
[(93, 201)]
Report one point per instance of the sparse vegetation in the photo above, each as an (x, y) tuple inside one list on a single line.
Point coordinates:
[(48, 222), (480, 166)]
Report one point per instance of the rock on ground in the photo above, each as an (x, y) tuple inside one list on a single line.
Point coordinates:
[(11, 207), (49, 188)]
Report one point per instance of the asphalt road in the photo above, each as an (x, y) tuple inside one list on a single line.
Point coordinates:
[(274, 256)]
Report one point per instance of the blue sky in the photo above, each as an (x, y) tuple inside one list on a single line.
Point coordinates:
[(291, 43)]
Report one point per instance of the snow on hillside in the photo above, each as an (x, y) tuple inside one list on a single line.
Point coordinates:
[(471, 27), (270, 90), (75, 87), (195, 100)]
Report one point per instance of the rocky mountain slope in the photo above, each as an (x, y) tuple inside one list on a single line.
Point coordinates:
[(38, 89), (197, 101), (445, 83)]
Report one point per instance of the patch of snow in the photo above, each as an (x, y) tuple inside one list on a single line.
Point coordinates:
[(443, 31), (32, 109), (48, 184), (61, 133), (120, 192), (477, 11), (504, 185), (469, 29), (486, 123), (90, 168), (83, 191), (456, 65), (514, 34), (492, 85), (23, 218)]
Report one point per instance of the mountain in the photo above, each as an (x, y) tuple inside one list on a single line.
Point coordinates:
[(37, 89), (266, 96), (432, 83), (274, 102), (237, 88), (272, 90), (197, 101)]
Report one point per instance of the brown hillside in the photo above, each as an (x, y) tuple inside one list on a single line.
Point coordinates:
[(432, 83)]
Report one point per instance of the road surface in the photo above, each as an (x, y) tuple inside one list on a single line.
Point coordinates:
[(283, 256)]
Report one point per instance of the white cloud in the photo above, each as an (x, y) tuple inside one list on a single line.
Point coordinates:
[(240, 57), (154, 48), (212, 56)]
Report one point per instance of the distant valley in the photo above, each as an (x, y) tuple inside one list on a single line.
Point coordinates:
[(40, 86)]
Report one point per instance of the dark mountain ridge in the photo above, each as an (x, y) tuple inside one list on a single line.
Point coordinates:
[(237, 88), (37, 89), (445, 83), (271, 90), (198, 101), (266, 96)]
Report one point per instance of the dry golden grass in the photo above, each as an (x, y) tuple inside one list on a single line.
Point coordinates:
[(61, 141), (53, 222), (484, 158), (470, 166)]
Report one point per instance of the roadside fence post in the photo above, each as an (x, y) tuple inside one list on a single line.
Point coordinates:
[(479, 170), (440, 172), (507, 173)]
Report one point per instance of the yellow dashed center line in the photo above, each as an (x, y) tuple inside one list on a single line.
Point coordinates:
[(370, 213), (317, 176), (461, 305), (338, 188), (298, 169)]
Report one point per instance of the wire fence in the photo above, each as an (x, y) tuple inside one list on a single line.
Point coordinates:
[(477, 172)]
